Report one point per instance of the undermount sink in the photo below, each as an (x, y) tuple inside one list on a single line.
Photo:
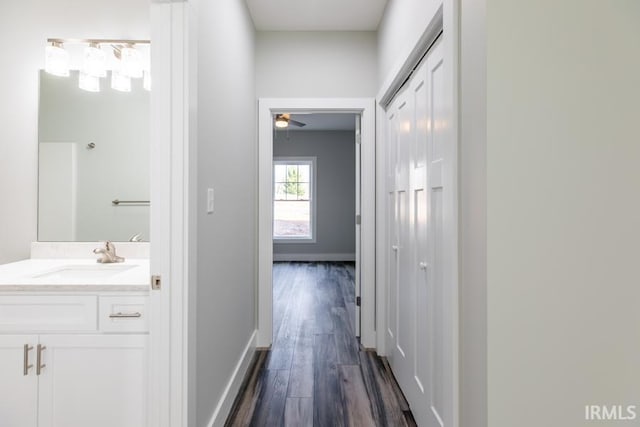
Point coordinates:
[(98, 271)]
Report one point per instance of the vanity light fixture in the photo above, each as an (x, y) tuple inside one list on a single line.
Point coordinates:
[(128, 64), (56, 59), (95, 61)]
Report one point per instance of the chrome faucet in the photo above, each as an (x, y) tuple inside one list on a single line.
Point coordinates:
[(136, 238), (107, 254)]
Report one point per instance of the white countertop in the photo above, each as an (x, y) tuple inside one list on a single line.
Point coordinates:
[(74, 275)]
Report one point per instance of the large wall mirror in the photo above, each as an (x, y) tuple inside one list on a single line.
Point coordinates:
[(93, 162)]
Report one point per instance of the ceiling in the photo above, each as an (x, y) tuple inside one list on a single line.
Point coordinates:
[(316, 15), (324, 121)]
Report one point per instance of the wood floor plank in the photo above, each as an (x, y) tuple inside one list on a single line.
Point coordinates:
[(271, 402), (298, 412), (301, 377), (328, 407), (244, 405), (385, 408), (357, 404), (346, 345), (391, 380)]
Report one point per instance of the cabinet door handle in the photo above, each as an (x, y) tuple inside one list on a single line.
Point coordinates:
[(423, 265), (39, 364), (26, 366), (394, 247), (120, 315)]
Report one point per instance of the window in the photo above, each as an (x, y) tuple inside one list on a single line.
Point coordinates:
[(293, 199)]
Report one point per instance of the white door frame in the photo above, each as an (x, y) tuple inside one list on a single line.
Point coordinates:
[(173, 169), (266, 108)]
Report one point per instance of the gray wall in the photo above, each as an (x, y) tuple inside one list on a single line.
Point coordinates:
[(316, 64), (226, 114), (335, 188)]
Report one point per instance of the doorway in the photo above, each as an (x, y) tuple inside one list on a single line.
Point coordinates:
[(316, 201), (364, 108)]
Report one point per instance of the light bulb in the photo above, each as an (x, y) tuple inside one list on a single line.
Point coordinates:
[(56, 60), (120, 82), (281, 122), (88, 82), (95, 61), (130, 62)]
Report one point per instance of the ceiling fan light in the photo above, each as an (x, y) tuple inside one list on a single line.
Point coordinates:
[(281, 122)]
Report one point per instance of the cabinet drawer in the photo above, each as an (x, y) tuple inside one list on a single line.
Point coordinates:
[(47, 313), (124, 314)]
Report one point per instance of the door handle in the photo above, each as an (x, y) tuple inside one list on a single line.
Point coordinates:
[(39, 364), (26, 366), (394, 247), (423, 265)]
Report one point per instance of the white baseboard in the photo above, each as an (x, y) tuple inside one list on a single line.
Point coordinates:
[(221, 413), (314, 257)]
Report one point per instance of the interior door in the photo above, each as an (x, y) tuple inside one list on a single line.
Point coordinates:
[(419, 302)]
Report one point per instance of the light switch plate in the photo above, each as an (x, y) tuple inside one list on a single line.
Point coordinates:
[(209, 200)]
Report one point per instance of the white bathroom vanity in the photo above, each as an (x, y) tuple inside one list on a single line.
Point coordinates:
[(74, 343)]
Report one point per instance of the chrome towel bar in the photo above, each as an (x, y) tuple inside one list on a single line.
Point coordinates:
[(117, 202)]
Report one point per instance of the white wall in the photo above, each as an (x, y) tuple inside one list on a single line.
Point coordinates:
[(335, 189), (563, 84), (403, 23), (27, 24), (227, 162), (316, 64)]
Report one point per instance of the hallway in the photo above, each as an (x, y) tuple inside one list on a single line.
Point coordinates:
[(316, 373)]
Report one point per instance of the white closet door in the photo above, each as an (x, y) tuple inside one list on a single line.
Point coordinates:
[(419, 329)]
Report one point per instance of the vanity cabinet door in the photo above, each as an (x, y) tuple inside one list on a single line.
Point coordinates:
[(93, 380), (18, 392)]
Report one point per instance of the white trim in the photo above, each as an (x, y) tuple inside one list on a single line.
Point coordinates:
[(451, 45), (409, 59), (266, 108), (381, 235), (313, 257), (225, 403), (172, 254), (312, 161)]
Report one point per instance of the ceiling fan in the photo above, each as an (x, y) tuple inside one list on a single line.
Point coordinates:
[(284, 120)]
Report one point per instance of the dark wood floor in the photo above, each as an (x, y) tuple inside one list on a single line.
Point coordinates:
[(316, 373)]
